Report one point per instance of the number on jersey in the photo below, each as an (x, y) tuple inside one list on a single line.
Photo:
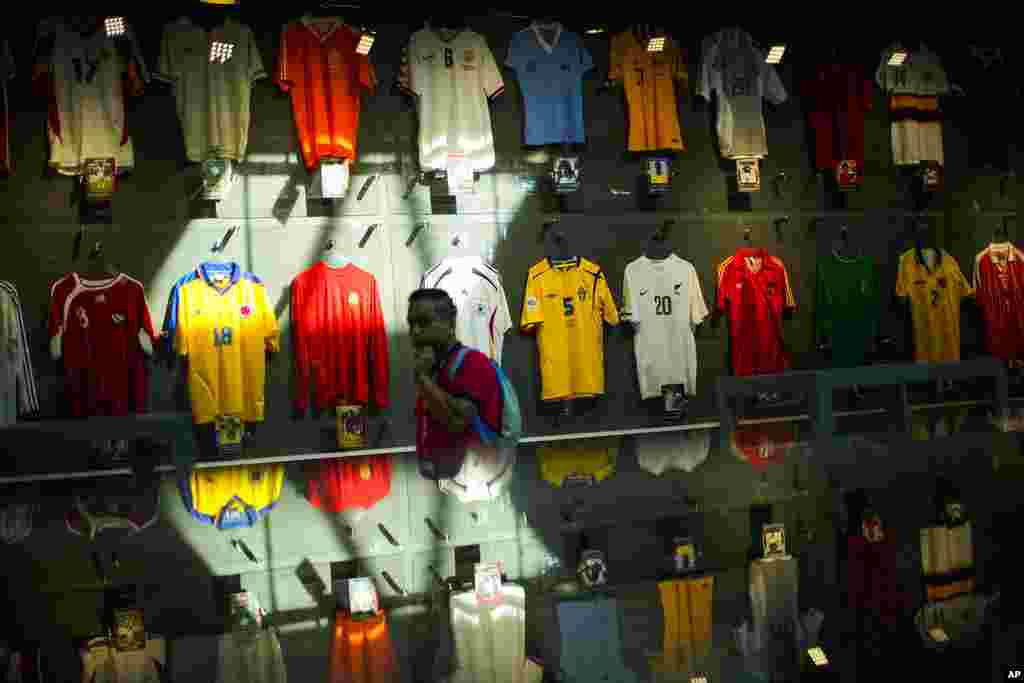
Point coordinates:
[(570, 308), (663, 305), (222, 337)]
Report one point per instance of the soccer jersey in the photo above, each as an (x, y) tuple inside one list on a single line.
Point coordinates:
[(934, 290), (341, 344), (649, 81), (658, 453), (567, 305), (232, 497), (224, 326), (361, 650), (441, 453), (127, 505), (475, 286), (916, 119), (490, 640), (343, 483), (760, 445), (485, 475), (86, 76), (735, 69), (586, 461), (453, 77), (847, 307), (16, 522), (212, 97), (663, 299), (103, 663), (999, 287), (837, 97), (754, 291), (18, 393), (250, 657), (105, 333), (6, 73), (319, 67), (550, 63)]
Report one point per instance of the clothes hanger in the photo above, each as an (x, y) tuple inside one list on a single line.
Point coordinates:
[(842, 250), (98, 268), (332, 257), (658, 246)]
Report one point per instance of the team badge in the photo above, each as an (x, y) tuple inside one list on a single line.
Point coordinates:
[(469, 55), (676, 288), (771, 289), (582, 293), (353, 299), (118, 318), (256, 476), (942, 282), (481, 308), (531, 302), (246, 311), (101, 298)]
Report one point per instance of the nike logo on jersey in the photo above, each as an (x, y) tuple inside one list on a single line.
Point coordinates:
[(643, 292), (676, 288)]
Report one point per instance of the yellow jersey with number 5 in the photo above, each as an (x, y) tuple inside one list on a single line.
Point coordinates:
[(225, 326), (567, 305)]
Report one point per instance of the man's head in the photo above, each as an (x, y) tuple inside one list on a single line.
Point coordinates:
[(431, 319)]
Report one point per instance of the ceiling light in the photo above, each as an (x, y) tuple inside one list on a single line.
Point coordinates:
[(114, 26), (656, 44), (594, 30), (898, 57), (775, 54), (220, 51), (366, 43)]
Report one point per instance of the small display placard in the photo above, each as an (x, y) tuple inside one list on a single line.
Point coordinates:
[(99, 177), (129, 629), (487, 582), (351, 423), (773, 538)]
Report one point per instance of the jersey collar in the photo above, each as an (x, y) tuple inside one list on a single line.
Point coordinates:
[(547, 47), (919, 257), (207, 271), (313, 25)]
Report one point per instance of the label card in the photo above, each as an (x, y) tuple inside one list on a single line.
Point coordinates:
[(487, 582), (351, 423), (748, 175), (129, 629), (773, 537)]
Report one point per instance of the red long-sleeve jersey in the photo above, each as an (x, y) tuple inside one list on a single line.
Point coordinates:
[(341, 345)]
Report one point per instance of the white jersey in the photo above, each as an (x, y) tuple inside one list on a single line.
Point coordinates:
[(484, 475), (250, 657), (685, 451), (663, 300), (87, 77), (18, 394), (213, 98), (453, 78), (102, 663), (475, 286), (490, 640)]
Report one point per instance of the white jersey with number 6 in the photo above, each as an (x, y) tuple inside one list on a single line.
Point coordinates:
[(663, 299)]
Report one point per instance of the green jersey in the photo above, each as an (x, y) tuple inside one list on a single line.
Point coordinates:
[(847, 307)]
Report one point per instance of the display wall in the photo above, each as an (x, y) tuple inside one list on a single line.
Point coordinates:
[(158, 234)]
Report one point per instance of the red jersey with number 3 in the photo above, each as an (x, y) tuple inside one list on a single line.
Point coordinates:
[(100, 323), (754, 291), (999, 285)]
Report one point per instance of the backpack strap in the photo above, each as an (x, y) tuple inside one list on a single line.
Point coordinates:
[(460, 356)]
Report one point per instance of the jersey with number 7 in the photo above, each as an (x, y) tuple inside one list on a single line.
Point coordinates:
[(567, 305)]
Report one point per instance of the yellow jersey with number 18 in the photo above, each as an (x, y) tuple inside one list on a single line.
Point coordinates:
[(567, 305), (225, 326)]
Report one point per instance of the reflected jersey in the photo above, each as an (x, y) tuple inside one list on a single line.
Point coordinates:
[(453, 77), (550, 76), (232, 497), (325, 76), (482, 317), (934, 287), (224, 325), (343, 483), (567, 305), (662, 298), (649, 80), (578, 462)]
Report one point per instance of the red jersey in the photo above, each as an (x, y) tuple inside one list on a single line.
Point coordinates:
[(103, 326), (838, 96), (343, 483), (871, 579), (760, 445), (475, 380), (341, 346), (754, 291), (319, 67), (999, 285)]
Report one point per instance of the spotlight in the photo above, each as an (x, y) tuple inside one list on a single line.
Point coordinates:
[(775, 54), (115, 26), (220, 52), (898, 57), (366, 43), (656, 44)]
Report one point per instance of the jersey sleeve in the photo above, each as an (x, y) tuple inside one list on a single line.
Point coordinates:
[(707, 74), (182, 321), (680, 69), (609, 311), (283, 76), (42, 56), (270, 329), (300, 345), (964, 289), (367, 74), (256, 70), (477, 380), (8, 325), (490, 75), (145, 319), (168, 67), (502, 315), (723, 286), (379, 349), (629, 303), (533, 309), (698, 308), (515, 58), (903, 277), (790, 302), (585, 61), (406, 73), (772, 86), (136, 73)]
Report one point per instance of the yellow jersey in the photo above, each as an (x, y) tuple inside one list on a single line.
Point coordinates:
[(567, 305), (233, 497), (649, 81), (225, 326), (587, 461), (934, 289)]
